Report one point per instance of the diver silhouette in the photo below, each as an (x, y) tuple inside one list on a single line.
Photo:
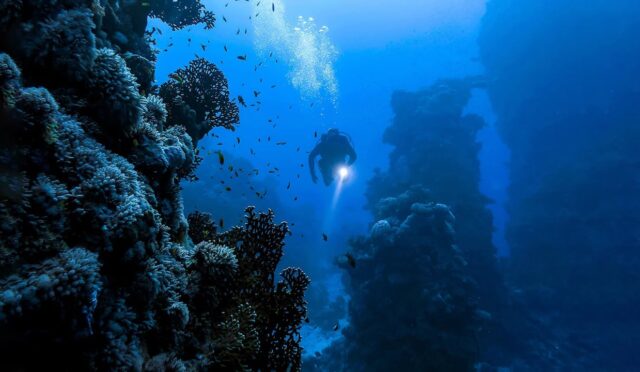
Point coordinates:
[(333, 149)]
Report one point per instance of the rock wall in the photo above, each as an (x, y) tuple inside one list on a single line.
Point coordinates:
[(564, 82)]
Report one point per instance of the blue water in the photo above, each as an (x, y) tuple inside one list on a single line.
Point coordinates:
[(320, 64), (380, 47)]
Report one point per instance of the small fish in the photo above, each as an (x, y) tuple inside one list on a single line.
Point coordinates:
[(281, 143), (238, 140), (225, 49), (221, 222), (315, 134), (243, 57), (204, 47), (220, 157), (273, 7), (325, 237), (351, 260), (176, 77), (256, 93), (224, 18), (289, 185), (242, 102), (228, 188), (336, 327), (238, 32), (273, 86)]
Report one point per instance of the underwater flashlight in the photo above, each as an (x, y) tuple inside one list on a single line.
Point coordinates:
[(343, 172)]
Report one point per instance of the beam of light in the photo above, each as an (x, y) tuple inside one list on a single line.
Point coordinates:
[(343, 173)]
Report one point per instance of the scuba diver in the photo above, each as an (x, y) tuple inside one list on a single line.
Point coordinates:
[(333, 148)]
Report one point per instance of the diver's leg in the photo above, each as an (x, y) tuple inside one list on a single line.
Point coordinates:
[(326, 171)]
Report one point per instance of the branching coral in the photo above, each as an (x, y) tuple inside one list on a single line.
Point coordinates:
[(197, 97), (201, 227), (181, 13), (113, 95), (279, 307)]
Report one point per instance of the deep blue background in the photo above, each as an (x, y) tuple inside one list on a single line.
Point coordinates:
[(382, 46)]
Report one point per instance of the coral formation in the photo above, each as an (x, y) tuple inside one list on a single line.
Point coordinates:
[(412, 300), (570, 116), (97, 270), (244, 260), (435, 148), (198, 98), (434, 145)]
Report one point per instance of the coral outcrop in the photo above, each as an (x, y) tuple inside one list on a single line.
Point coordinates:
[(97, 270), (412, 304), (565, 89), (434, 145)]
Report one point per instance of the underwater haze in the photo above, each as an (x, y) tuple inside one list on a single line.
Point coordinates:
[(319, 185)]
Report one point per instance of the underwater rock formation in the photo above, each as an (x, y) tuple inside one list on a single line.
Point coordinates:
[(435, 148), (565, 87), (97, 271), (434, 145), (412, 302)]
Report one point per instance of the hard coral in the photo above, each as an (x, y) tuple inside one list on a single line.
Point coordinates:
[(418, 275), (182, 13), (279, 307), (97, 271), (197, 97)]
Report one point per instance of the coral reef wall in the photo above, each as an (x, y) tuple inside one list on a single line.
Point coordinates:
[(411, 305), (434, 145), (565, 84), (98, 268)]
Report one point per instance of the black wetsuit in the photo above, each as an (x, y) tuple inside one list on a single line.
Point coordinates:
[(333, 150)]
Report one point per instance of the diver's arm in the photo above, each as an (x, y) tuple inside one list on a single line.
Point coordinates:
[(352, 155), (312, 163)]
